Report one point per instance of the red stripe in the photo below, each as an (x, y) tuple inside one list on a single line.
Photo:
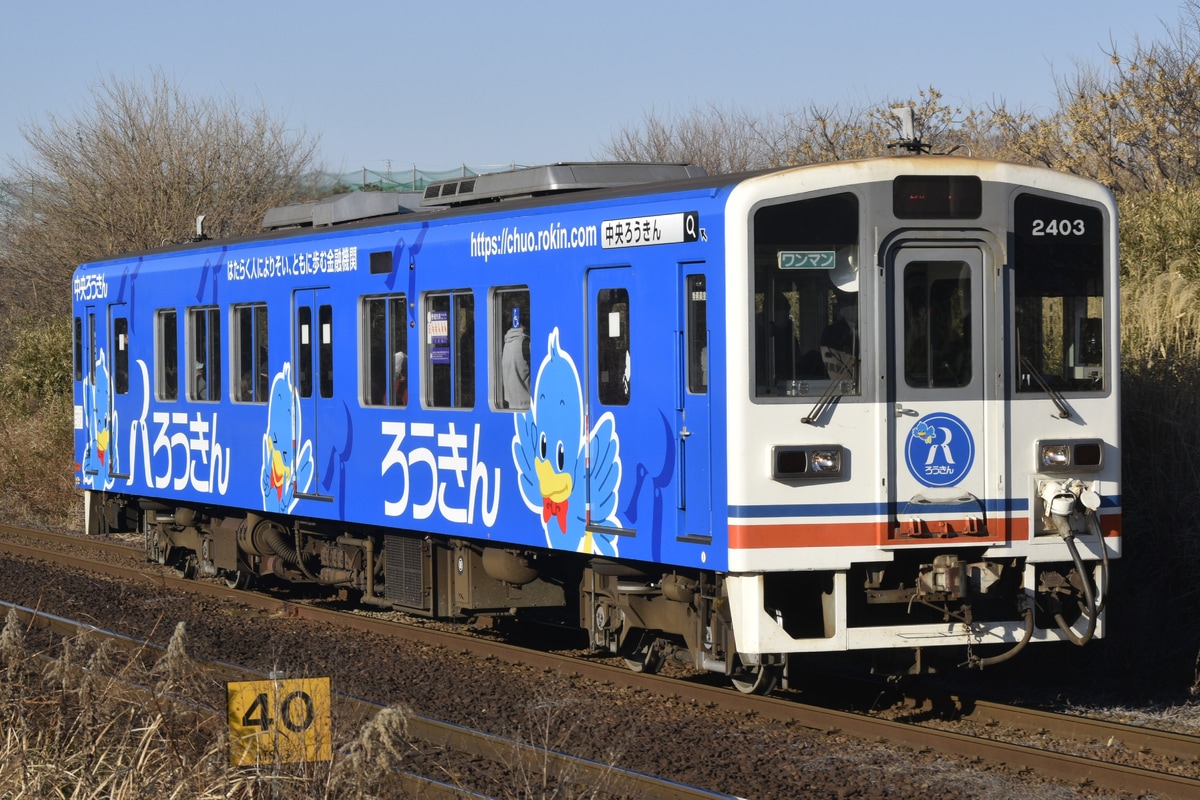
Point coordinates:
[(875, 534)]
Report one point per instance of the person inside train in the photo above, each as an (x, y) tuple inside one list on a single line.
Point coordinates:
[(839, 340), (514, 364), (201, 383), (399, 379), (783, 339)]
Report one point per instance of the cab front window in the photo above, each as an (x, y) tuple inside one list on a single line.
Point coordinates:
[(1058, 273), (806, 338)]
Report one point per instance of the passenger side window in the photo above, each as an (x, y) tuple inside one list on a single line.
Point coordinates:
[(78, 348), (251, 366), (450, 339), (385, 360), (166, 355), (510, 351), (204, 336)]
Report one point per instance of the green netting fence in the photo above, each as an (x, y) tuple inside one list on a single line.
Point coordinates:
[(412, 179)]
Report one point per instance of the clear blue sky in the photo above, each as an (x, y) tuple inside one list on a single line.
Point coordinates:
[(441, 83)]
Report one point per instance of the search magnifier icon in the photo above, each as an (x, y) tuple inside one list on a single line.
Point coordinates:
[(689, 226)]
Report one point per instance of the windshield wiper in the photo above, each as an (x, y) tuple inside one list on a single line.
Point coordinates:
[(831, 393), (1059, 402)]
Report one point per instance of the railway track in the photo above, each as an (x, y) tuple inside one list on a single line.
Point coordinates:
[(1175, 774)]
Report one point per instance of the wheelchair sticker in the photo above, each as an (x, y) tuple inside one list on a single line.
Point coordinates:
[(940, 450)]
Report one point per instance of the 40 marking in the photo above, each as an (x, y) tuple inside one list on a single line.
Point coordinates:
[(279, 721)]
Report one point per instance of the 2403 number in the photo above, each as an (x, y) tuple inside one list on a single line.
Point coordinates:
[(1058, 227)]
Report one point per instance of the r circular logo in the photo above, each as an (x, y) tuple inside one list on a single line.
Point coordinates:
[(939, 450)]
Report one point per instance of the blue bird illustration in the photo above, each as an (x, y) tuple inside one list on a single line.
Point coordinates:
[(551, 453), (285, 469), (926, 433), (100, 451)]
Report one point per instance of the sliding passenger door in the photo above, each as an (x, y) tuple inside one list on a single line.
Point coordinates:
[(632, 409), (123, 407), (312, 394), (693, 425)]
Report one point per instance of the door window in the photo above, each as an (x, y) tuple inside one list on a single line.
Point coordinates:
[(120, 348), (697, 334), (613, 358), (325, 349), (937, 324)]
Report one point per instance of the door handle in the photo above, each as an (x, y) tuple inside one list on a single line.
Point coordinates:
[(901, 411)]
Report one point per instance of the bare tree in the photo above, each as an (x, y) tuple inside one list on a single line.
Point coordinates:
[(722, 140), (836, 134), (133, 172), (726, 140), (1134, 126)]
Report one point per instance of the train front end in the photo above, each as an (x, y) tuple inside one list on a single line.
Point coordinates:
[(923, 427)]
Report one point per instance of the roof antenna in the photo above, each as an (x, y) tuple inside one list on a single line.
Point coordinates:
[(909, 139), (200, 235)]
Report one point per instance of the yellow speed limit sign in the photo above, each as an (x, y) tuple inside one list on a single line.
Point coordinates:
[(279, 721)]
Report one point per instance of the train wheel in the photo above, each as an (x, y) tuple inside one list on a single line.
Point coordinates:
[(646, 657), (758, 679), (186, 568), (238, 579)]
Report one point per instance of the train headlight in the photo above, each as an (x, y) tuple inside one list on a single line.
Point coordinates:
[(1055, 456), (822, 462), (1073, 455), (826, 461)]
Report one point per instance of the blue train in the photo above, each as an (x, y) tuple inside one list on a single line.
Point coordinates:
[(859, 406)]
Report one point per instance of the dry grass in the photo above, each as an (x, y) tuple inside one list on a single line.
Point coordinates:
[(36, 422), (35, 466), (88, 723), (1160, 492)]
